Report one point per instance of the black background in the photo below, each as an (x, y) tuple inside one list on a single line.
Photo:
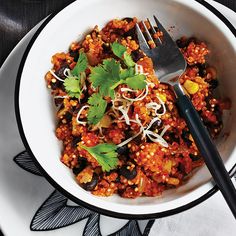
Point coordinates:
[(17, 17)]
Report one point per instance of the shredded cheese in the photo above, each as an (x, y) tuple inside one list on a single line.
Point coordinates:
[(66, 72), (156, 119), (124, 115), (139, 70), (58, 78), (153, 105), (139, 98), (157, 138), (79, 113), (60, 96), (164, 130), (123, 108)]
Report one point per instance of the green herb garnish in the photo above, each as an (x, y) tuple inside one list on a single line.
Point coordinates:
[(72, 86), (81, 65), (105, 76), (105, 154), (73, 81), (136, 82), (109, 75), (121, 52), (97, 108), (118, 49)]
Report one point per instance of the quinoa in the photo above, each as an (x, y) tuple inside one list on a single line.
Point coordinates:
[(144, 167)]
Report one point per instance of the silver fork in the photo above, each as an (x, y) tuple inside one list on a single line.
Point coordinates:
[(169, 65)]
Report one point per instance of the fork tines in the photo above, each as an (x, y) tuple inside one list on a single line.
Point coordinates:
[(148, 40)]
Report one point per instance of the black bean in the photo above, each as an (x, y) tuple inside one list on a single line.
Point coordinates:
[(194, 157), (123, 150), (185, 136), (68, 116), (201, 69), (75, 55), (213, 83), (82, 163), (128, 174), (60, 71), (106, 48), (161, 109), (58, 101), (76, 170), (128, 19), (56, 85), (132, 33), (118, 32), (92, 184), (121, 191), (117, 180), (136, 55), (74, 142), (173, 138), (207, 100)]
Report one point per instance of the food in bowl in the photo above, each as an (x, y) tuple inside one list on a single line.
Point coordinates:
[(121, 130)]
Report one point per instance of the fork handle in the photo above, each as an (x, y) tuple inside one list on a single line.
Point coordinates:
[(208, 151)]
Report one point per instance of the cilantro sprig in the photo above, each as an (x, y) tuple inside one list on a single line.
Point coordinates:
[(108, 75), (105, 76), (105, 154), (97, 108), (73, 81)]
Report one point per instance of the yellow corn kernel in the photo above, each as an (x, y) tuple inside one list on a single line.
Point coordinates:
[(162, 97), (173, 181), (191, 86), (167, 166)]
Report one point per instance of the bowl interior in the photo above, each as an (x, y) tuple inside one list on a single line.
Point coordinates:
[(38, 113)]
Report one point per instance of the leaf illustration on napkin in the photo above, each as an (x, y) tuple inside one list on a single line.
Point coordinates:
[(55, 213), (131, 228), (24, 160), (92, 226)]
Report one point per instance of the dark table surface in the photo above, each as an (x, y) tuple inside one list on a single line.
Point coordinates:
[(17, 17)]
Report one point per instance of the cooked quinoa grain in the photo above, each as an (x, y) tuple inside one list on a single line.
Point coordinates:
[(120, 127)]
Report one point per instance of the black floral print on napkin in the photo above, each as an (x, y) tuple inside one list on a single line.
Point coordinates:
[(55, 213)]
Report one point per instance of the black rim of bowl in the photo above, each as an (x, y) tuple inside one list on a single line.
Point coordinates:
[(69, 195)]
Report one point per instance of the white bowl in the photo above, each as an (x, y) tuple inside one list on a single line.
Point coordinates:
[(36, 114)]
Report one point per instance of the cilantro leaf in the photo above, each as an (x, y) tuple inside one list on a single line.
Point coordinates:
[(97, 108), (72, 86), (118, 49), (121, 51), (75, 95), (105, 154), (136, 82), (127, 73), (81, 65), (128, 60), (105, 76)]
